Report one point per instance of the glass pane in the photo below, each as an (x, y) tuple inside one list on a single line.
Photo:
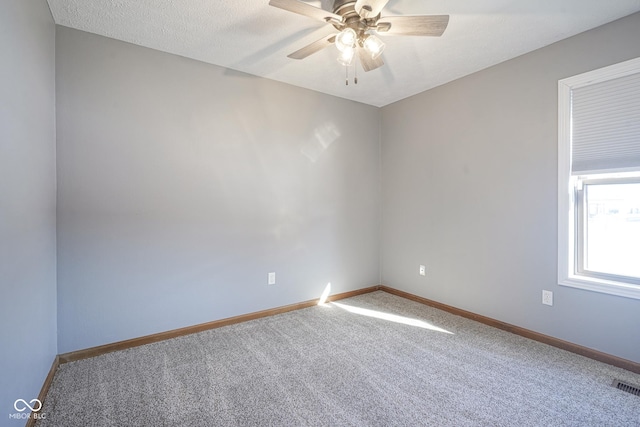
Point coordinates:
[(612, 241)]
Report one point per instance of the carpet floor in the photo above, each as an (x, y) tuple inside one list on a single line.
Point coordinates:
[(371, 360)]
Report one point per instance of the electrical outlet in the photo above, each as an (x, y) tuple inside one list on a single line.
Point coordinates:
[(272, 278), (423, 270), (547, 297)]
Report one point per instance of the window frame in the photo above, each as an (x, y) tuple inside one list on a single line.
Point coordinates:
[(581, 212), (567, 183)]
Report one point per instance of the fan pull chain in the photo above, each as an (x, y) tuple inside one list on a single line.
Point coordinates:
[(355, 71), (346, 75)]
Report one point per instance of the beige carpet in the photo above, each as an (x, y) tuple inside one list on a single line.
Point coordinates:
[(343, 365)]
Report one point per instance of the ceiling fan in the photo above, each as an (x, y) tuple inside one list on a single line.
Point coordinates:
[(357, 22)]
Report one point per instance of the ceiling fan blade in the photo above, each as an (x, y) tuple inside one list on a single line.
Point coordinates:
[(306, 9), (367, 62), (314, 47), (425, 25), (370, 8)]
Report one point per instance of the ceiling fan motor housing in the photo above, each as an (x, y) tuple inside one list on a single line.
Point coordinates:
[(346, 9)]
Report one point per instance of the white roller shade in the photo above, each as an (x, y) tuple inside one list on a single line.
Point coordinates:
[(605, 125)]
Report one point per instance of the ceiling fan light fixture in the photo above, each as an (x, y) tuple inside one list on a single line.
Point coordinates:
[(374, 46), (346, 39), (346, 56), (355, 26)]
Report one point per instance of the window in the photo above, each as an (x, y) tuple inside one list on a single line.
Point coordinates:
[(599, 180)]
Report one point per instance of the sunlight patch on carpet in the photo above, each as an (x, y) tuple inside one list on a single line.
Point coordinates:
[(390, 317)]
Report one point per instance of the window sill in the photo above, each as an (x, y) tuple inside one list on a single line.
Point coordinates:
[(603, 286)]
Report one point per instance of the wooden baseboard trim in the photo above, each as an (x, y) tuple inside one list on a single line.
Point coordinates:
[(31, 422), (546, 339), (148, 339)]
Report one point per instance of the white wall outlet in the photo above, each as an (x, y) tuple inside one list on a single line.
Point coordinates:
[(547, 297), (272, 278), (423, 270)]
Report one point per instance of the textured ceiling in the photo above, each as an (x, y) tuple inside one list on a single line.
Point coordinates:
[(253, 37)]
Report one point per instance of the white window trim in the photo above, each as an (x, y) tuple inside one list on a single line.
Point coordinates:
[(566, 226)]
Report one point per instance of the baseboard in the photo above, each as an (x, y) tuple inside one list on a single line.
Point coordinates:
[(135, 342), (31, 422), (148, 339), (546, 339)]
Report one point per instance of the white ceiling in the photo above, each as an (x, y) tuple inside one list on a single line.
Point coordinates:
[(253, 37)]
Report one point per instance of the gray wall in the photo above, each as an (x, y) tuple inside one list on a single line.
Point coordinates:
[(27, 201), (182, 184), (469, 173)]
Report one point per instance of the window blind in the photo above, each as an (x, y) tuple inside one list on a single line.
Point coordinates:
[(605, 125)]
